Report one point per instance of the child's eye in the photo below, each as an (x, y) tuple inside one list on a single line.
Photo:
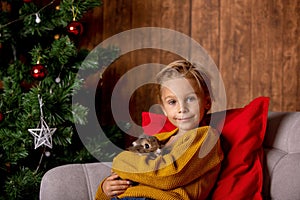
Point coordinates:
[(191, 99), (171, 102)]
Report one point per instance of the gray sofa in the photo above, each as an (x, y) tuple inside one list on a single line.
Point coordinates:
[(281, 169)]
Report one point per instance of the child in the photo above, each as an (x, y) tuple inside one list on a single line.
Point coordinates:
[(191, 166)]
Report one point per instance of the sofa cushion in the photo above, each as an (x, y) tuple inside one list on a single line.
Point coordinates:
[(282, 156), (243, 132), (153, 123)]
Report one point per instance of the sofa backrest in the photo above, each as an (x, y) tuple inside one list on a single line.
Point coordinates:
[(281, 167), (282, 156)]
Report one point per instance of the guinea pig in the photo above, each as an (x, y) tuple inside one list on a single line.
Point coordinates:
[(148, 145)]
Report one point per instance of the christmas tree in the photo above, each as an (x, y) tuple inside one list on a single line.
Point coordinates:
[(39, 60)]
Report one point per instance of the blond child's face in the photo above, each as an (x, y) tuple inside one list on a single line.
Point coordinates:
[(184, 103)]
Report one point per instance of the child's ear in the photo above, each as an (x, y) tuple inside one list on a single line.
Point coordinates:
[(207, 103)]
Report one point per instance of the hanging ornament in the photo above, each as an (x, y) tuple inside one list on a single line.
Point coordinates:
[(38, 72), (43, 134), (37, 18), (27, 1), (47, 153), (1, 117), (56, 36), (57, 80), (75, 28)]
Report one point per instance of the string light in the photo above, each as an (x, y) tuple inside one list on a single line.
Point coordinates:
[(37, 19), (56, 36)]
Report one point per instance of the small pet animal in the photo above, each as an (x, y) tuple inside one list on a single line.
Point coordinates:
[(147, 145)]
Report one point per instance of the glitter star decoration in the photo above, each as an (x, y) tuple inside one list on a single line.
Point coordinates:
[(43, 134)]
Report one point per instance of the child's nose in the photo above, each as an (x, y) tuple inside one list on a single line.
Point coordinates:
[(183, 108)]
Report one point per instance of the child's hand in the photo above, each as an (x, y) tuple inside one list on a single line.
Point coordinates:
[(114, 186)]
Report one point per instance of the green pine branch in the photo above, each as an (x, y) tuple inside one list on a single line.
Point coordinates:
[(26, 43)]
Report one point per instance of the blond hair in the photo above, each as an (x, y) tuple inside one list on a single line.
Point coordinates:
[(185, 69)]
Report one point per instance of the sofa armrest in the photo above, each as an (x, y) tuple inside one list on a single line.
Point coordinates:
[(282, 156), (73, 181)]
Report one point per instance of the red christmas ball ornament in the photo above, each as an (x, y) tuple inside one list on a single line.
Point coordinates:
[(27, 1), (38, 72), (75, 28), (1, 117)]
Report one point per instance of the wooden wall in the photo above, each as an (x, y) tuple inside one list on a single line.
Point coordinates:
[(254, 43)]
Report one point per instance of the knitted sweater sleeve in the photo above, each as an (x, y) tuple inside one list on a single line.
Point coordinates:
[(194, 154), (100, 195)]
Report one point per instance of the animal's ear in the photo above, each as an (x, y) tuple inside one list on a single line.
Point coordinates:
[(134, 143), (152, 139), (144, 136)]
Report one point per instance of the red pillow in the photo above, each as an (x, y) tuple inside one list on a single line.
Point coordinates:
[(241, 176), (153, 123)]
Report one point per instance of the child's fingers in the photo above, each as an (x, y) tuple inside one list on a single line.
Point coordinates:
[(113, 187), (117, 192), (113, 177), (120, 183)]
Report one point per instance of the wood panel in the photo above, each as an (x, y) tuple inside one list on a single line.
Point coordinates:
[(93, 30), (205, 26), (175, 16), (274, 52), (140, 18), (254, 43), (291, 47), (235, 48), (261, 66)]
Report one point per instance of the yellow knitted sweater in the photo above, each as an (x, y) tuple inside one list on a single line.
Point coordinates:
[(188, 171)]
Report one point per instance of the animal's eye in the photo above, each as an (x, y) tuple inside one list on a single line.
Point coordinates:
[(147, 146)]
